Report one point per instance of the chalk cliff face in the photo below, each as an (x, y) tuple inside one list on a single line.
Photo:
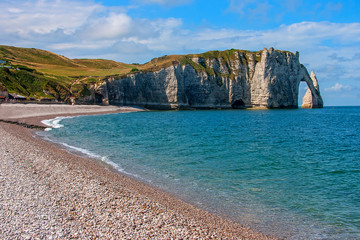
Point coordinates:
[(232, 79)]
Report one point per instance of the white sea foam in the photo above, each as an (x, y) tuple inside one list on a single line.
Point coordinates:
[(54, 123), (82, 150), (98, 157)]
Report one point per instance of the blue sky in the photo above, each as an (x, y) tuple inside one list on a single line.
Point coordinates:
[(326, 33)]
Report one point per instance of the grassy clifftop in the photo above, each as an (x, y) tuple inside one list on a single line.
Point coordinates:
[(42, 74), (54, 64)]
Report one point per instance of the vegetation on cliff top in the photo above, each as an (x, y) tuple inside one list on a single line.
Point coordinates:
[(33, 84), (53, 64), (42, 74)]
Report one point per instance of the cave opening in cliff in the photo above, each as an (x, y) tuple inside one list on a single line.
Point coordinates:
[(98, 98), (238, 104)]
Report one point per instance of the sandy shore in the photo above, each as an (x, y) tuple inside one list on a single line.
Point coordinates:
[(49, 193), (33, 113)]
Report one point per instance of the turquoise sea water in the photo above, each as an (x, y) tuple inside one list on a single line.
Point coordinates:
[(291, 173)]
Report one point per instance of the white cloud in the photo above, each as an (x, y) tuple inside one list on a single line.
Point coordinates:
[(299, 34), (130, 47), (29, 17), (15, 10), (339, 87), (110, 27)]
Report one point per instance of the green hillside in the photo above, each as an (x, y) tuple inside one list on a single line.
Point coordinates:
[(54, 64), (33, 84), (42, 74)]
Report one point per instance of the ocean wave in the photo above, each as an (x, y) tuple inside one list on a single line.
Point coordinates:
[(54, 123), (104, 159)]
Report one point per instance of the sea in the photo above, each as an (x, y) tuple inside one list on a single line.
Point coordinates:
[(292, 173)]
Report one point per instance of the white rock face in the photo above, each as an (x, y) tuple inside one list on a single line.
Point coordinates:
[(268, 78), (312, 98)]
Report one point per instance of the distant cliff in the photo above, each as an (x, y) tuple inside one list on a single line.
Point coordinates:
[(229, 79)]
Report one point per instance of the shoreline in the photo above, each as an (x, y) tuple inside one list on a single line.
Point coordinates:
[(115, 204), (33, 114)]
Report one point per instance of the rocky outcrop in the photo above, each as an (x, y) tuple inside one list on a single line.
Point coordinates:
[(312, 98), (231, 79)]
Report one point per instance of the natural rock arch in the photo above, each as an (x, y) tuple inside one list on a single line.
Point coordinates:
[(312, 97)]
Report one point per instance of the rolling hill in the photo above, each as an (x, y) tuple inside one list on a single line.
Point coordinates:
[(39, 74)]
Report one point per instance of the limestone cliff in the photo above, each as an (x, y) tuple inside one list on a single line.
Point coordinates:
[(229, 79)]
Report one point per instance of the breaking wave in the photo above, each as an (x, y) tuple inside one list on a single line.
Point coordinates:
[(54, 123)]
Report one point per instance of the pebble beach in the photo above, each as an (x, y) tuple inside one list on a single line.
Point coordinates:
[(48, 193)]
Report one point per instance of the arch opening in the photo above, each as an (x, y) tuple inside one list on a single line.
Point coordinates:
[(302, 90)]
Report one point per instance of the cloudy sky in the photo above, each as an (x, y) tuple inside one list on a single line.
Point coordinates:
[(326, 33)]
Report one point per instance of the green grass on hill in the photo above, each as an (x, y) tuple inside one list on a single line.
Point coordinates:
[(30, 56), (54, 64), (33, 84)]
